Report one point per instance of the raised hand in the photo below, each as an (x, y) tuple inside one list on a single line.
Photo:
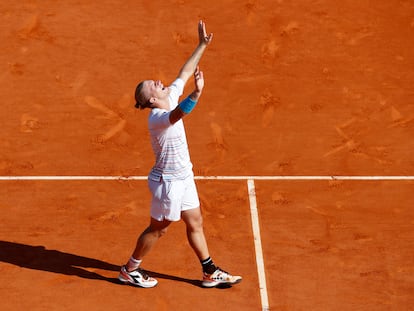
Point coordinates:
[(198, 80), (189, 67), (202, 34)]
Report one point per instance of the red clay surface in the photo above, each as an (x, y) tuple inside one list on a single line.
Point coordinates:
[(292, 88)]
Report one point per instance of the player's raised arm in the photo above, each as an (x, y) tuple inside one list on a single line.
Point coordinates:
[(188, 104), (190, 65)]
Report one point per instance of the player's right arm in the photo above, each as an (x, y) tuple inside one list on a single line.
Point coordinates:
[(189, 67)]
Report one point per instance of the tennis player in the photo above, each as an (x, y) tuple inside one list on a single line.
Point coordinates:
[(171, 180)]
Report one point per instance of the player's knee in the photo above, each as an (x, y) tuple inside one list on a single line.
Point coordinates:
[(162, 232), (199, 221), (196, 223), (156, 230)]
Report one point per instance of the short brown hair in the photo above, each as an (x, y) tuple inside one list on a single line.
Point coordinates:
[(140, 101)]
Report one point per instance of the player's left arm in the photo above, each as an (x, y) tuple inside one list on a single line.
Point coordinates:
[(188, 104)]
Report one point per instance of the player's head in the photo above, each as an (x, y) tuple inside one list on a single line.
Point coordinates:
[(148, 92)]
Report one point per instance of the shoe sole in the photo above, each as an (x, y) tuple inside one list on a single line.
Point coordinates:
[(126, 281), (216, 284)]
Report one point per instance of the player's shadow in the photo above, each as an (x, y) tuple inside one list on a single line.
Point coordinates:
[(40, 258)]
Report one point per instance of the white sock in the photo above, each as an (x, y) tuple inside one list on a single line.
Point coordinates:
[(133, 264)]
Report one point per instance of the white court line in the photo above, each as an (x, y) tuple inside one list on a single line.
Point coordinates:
[(40, 178), (307, 177), (258, 245), (293, 177)]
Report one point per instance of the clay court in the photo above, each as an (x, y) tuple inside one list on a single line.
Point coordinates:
[(302, 146)]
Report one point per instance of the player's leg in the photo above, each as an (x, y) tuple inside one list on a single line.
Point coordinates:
[(131, 272), (195, 233), (149, 237), (212, 275), (191, 215)]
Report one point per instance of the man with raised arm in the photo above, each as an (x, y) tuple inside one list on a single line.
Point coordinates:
[(171, 179)]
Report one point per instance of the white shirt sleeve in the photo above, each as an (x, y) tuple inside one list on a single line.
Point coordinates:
[(176, 90)]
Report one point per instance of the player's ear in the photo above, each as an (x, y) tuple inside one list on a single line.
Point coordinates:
[(151, 102)]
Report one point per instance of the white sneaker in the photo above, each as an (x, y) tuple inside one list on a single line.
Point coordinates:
[(137, 277), (220, 277)]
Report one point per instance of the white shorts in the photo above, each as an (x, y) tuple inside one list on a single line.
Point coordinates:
[(170, 198)]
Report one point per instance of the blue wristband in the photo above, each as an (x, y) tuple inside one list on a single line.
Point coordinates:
[(187, 105)]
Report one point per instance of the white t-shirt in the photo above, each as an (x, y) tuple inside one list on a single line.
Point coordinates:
[(169, 142)]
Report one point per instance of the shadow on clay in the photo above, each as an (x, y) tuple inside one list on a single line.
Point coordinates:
[(40, 258)]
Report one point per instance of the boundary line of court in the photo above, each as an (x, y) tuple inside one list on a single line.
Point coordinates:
[(281, 178), (258, 245)]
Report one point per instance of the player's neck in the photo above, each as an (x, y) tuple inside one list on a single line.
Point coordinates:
[(162, 104)]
